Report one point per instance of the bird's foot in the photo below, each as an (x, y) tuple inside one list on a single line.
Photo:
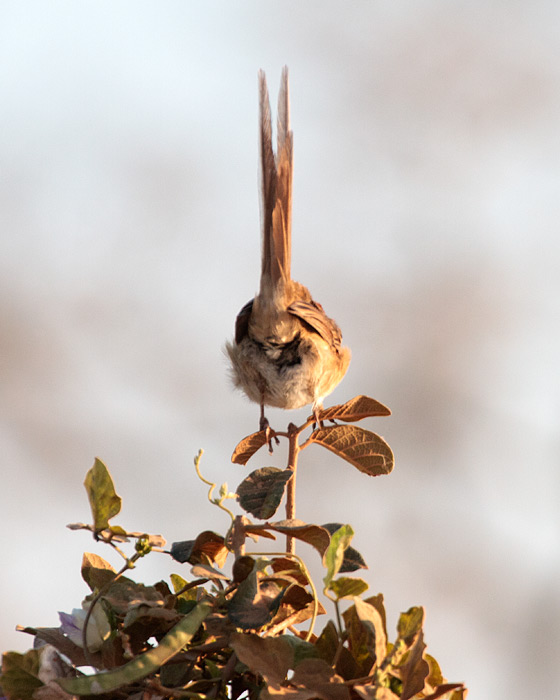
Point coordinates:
[(270, 433), (318, 420)]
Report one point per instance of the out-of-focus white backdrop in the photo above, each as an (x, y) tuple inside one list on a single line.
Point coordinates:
[(426, 216)]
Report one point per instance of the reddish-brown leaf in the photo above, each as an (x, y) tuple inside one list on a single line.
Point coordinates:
[(261, 492), (415, 670), (271, 657), (364, 450), (374, 692), (248, 446), (447, 688), (317, 676), (314, 535), (356, 409)]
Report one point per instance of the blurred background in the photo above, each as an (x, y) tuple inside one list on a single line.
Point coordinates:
[(426, 209)]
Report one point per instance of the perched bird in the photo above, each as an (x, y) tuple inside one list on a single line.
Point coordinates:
[(287, 352)]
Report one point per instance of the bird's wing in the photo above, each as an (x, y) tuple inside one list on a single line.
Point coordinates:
[(311, 313), (242, 321)]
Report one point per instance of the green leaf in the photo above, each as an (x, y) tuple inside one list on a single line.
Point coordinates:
[(363, 449), (261, 492), (334, 556), (142, 665), (353, 560), (346, 587), (103, 500), (410, 623), (20, 674)]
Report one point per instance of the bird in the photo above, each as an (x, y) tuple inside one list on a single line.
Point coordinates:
[(286, 352)]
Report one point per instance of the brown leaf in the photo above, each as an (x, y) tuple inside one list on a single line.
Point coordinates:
[(96, 572), (315, 535), (316, 675), (356, 409), (415, 669), (262, 491), (271, 657), (377, 602), (361, 642), (371, 619), (364, 450), (125, 594), (256, 531), (447, 688), (248, 446), (207, 571), (54, 637), (374, 692), (285, 565), (211, 545), (287, 616), (254, 603)]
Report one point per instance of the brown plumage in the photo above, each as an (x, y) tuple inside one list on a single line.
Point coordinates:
[(287, 352)]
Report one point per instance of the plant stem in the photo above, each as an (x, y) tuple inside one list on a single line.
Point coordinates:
[(293, 452)]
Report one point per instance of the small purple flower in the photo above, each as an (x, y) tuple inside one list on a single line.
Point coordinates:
[(72, 625)]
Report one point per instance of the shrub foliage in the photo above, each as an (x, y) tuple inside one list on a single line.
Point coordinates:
[(244, 623)]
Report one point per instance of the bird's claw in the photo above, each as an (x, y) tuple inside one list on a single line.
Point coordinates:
[(269, 433)]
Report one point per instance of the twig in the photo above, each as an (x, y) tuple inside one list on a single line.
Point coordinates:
[(293, 452)]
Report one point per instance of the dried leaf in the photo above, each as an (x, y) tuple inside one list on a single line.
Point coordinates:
[(317, 676), (256, 531), (262, 491), (55, 637), (415, 669), (287, 616), (372, 620), (271, 657), (361, 642), (315, 535), (96, 572), (248, 446), (374, 692), (207, 571), (20, 674), (363, 449), (103, 499), (356, 409), (207, 547), (346, 587), (285, 565), (459, 694), (241, 568), (377, 602), (125, 594), (254, 605)]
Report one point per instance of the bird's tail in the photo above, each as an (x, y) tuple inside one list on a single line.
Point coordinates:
[(276, 183)]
